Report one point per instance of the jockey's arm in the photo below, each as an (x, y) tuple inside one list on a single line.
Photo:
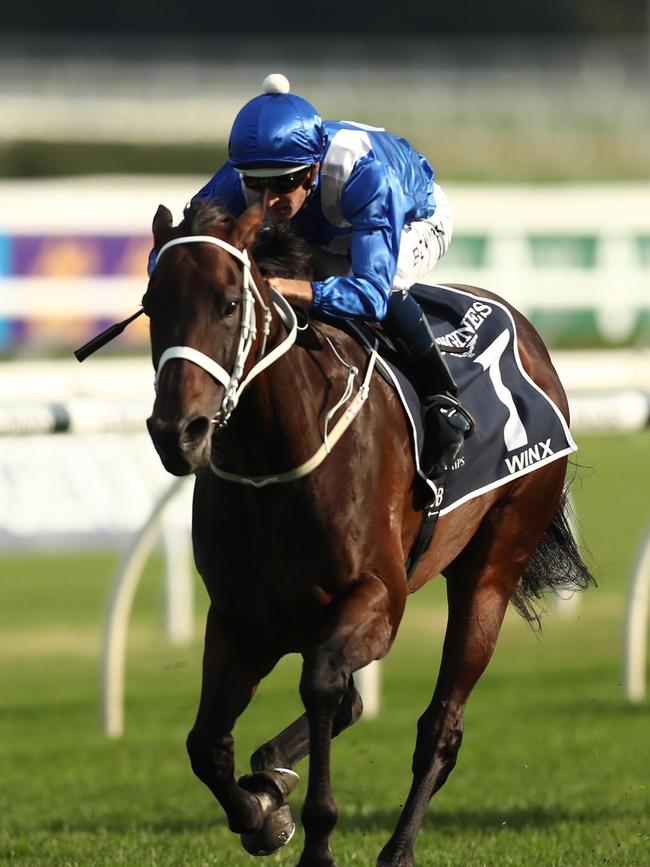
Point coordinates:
[(354, 296), (373, 205), (298, 292)]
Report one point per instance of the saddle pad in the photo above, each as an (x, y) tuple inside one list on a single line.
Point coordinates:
[(518, 428)]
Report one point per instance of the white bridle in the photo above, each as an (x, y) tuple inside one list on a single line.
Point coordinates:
[(248, 331)]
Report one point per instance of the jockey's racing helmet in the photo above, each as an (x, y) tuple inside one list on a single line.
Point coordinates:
[(277, 132)]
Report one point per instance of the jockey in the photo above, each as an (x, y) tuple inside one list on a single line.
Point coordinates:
[(368, 204)]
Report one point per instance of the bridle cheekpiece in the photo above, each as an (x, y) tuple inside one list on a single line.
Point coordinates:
[(232, 382)]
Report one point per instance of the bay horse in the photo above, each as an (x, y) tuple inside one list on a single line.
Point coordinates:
[(303, 548)]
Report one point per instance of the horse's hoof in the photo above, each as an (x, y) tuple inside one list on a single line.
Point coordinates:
[(276, 831), (271, 787), (395, 857)]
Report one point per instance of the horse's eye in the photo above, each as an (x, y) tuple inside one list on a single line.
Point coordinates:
[(231, 306)]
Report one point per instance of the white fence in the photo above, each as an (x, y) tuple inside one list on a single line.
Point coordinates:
[(559, 249), (510, 222), (635, 650)]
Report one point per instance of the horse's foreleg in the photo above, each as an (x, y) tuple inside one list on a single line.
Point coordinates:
[(233, 665), (292, 743), (476, 610), (359, 631)]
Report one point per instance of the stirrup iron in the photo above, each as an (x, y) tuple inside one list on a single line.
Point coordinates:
[(455, 413)]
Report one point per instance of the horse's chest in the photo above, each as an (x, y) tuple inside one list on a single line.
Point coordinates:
[(279, 607), (271, 578)]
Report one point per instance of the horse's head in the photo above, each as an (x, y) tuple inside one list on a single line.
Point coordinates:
[(202, 325)]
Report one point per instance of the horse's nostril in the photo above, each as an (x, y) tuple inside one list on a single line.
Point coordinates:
[(196, 430)]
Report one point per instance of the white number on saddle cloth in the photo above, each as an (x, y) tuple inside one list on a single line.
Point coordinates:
[(514, 432)]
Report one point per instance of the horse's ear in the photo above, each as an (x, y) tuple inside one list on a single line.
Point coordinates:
[(248, 224), (162, 221)]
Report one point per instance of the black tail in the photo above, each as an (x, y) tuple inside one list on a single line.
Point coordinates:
[(556, 564)]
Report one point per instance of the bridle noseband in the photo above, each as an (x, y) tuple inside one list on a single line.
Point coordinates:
[(232, 382)]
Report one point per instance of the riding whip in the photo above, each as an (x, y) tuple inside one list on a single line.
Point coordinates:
[(105, 337)]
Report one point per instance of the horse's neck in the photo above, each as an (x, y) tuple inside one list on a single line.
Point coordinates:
[(278, 421)]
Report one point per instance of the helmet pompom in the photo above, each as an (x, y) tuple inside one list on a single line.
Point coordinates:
[(276, 129), (276, 82)]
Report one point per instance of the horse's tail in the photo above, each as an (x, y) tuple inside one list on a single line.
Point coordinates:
[(556, 564)]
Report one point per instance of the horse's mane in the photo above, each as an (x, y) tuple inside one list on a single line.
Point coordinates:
[(277, 250), (203, 214)]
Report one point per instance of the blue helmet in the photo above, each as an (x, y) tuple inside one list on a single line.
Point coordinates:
[(277, 129)]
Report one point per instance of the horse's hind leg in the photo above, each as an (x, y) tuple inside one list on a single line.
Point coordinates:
[(479, 587), (233, 665), (292, 743)]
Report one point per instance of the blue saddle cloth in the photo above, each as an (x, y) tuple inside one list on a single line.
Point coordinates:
[(518, 428)]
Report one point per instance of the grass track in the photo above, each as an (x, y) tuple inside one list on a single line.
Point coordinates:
[(554, 770)]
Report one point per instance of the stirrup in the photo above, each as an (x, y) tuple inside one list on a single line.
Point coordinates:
[(446, 429), (454, 412)]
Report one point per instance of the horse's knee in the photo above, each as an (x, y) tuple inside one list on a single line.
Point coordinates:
[(350, 709), (324, 680), (211, 759)]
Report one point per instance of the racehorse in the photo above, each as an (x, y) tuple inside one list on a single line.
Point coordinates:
[(303, 545)]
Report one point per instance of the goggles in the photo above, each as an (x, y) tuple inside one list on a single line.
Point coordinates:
[(279, 183)]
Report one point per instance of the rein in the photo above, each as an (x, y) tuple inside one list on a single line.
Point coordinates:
[(232, 382)]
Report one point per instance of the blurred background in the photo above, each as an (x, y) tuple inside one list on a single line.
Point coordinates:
[(537, 120)]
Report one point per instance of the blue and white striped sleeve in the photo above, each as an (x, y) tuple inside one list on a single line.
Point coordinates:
[(373, 203)]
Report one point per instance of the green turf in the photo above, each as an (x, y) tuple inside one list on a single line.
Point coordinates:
[(554, 769)]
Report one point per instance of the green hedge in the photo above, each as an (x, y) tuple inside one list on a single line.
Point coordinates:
[(39, 159), (504, 155)]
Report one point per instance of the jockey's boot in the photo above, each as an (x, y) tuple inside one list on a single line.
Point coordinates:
[(447, 423)]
